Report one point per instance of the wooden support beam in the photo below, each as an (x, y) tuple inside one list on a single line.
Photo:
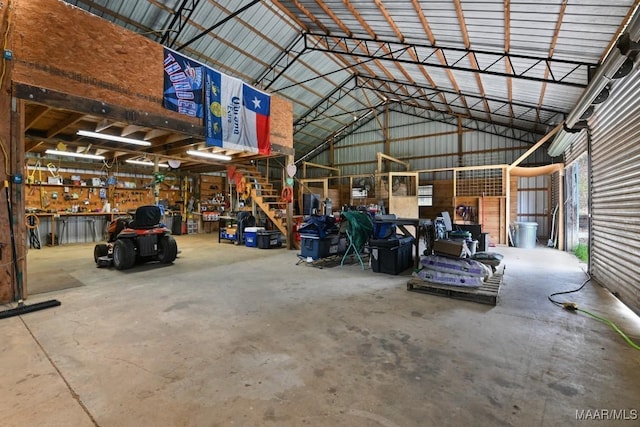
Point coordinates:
[(63, 124), (100, 109), (460, 148), (393, 159), (315, 165), (36, 112), (103, 124), (536, 146), (130, 129)]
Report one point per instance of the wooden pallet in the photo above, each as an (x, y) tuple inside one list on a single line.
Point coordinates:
[(485, 294)]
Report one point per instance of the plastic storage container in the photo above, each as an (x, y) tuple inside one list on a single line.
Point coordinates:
[(251, 236), (391, 256), (525, 234), (269, 239), (315, 248), (229, 233)]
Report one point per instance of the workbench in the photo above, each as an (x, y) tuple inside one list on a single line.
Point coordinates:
[(48, 221)]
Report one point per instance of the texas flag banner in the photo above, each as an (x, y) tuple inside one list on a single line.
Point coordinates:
[(183, 83), (237, 116)]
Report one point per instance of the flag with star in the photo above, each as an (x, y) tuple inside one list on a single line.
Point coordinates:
[(237, 115)]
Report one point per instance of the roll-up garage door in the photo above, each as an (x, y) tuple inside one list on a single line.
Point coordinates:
[(615, 252), (576, 149)]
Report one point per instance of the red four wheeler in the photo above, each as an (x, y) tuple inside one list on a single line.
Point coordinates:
[(140, 239)]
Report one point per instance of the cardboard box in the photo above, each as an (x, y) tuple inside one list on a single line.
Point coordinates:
[(450, 247)]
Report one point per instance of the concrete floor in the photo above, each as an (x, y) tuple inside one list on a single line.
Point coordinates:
[(229, 335)]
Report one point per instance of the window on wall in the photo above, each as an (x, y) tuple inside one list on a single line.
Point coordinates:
[(425, 195)]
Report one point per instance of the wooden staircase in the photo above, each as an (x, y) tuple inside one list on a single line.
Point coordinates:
[(266, 198)]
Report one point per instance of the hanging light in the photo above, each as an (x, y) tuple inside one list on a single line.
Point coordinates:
[(208, 155), (145, 163), (113, 138), (74, 154)]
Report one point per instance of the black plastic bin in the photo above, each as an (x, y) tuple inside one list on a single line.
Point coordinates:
[(391, 256), (316, 248), (268, 239)]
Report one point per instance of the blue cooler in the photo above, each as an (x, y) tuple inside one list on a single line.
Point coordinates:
[(251, 236)]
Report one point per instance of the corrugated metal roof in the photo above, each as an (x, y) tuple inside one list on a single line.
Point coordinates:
[(487, 57)]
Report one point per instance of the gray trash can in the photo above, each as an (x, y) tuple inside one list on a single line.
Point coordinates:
[(525, 234)]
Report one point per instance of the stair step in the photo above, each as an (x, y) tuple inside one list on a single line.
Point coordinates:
[(252, 181), (265, 196)]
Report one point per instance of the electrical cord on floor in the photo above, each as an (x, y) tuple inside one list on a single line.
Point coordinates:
[(572, 306)]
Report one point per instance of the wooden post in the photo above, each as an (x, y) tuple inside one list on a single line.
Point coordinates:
[(290, 236), (460, 148), (385, 131), (18, 195), (504, 235), (7, 275), (561, 210)]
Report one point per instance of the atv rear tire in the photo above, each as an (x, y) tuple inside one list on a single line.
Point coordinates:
[(167, 249), (124, 254), (101, 249)]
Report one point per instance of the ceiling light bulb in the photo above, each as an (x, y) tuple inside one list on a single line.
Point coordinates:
[(113, 138), (208, 155), (74, 154)]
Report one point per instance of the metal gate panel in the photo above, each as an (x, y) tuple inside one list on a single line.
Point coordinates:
[(615, 192)]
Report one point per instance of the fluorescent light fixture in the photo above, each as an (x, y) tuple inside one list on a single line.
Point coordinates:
[(208, 155), (113, 138), (73, 154), (145, 163)]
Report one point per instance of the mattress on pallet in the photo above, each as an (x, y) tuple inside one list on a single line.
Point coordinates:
[(465, 266), (451, 279)]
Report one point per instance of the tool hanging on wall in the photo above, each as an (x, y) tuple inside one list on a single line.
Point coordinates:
[(53, 170), (31, 177), (32, 221), (551, 243)]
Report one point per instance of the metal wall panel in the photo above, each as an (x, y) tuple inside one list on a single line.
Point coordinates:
[(425, 145), (533, 202), (615, 190)]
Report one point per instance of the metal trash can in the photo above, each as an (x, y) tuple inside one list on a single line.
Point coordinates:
[(526, 234)]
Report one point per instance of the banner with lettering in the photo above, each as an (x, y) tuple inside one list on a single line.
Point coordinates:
[(183, 84), (237, 115)]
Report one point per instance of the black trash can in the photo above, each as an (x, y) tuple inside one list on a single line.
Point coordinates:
[(391, 256), (176, 225)]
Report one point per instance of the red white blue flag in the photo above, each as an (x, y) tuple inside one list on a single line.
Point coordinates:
[(236, 116)]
